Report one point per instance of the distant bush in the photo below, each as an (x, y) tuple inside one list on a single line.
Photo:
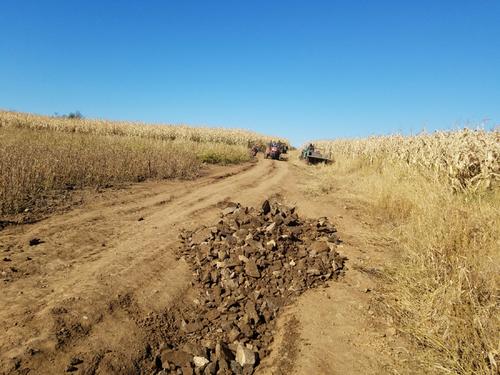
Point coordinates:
[(74, 115)]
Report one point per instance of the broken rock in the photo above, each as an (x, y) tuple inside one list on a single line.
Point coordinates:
[(248, 266), (319, 247), (200, 362), (244, 356), (177, 357), (251, 269), (266, 207), (35, 241)]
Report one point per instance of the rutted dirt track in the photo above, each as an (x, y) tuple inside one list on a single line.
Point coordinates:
[(108, 265)]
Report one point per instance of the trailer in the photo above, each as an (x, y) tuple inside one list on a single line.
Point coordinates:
[(312, 155)]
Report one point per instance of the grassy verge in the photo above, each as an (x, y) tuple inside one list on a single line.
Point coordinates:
[(444, 290)]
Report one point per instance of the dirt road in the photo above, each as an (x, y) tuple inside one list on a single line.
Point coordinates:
[(103, 269)]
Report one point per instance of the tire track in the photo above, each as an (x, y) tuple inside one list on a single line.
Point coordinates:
[(95, 254)]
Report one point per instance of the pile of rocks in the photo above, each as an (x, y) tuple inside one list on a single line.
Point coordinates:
[(247, 267)]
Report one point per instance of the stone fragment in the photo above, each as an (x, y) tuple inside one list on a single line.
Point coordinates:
[(220, 264), (210, 369), (207, 343), (271, 227), (35, 241), (271, 244), (266, 207), (243, 258), (278, 220), (201, 235), (319, 247), (290, 221), (233, 334), (241, 233), (212, 314), (302, 252), (251, 269), (301, 264), (193, 327), (245, 328), (313, 272), (228, 210), (222, 352), (236, 368), (222, 254), (195, 349), (200, 362), (177, 357), (75, 361), (336, 266), (251, 311), (244, 356), (223, 366), (230, 284)]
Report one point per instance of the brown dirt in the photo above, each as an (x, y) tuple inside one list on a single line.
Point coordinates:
[(104, 283), (246, 268)]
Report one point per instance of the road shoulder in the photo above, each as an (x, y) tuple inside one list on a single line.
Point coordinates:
[(343, 328)]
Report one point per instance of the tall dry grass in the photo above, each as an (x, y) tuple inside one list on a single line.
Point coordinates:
[(469, 159), (444, 216), (164, 132), (42, 157)]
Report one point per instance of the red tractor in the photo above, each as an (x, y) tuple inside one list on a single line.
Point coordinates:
[(273, 151)]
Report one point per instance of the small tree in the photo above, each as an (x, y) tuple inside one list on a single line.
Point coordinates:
[(75, 115)]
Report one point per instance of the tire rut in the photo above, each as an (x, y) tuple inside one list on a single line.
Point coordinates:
[(126, 256)]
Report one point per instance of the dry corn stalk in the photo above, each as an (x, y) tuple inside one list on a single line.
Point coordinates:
[(470, 159), (165, 132)]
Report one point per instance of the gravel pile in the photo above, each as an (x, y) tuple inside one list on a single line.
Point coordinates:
[(247, 267)]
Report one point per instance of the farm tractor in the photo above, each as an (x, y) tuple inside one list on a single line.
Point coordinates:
[(312, 155), (275, 149)]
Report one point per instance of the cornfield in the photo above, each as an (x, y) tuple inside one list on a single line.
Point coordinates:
[(164, 132), (470, 159), (42, 157), (437, 196)]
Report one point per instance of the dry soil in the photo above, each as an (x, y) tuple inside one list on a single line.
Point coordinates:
[(87, 295)]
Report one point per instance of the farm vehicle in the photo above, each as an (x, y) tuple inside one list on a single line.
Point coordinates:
[(275, 149), (312, 155), (272, 150)]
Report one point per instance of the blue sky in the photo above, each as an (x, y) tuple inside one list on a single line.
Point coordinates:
[(300, 69)]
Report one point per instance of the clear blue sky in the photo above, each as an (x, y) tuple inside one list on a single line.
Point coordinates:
[(302, 69)]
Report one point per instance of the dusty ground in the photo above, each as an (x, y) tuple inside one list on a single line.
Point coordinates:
[(102, 270)]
